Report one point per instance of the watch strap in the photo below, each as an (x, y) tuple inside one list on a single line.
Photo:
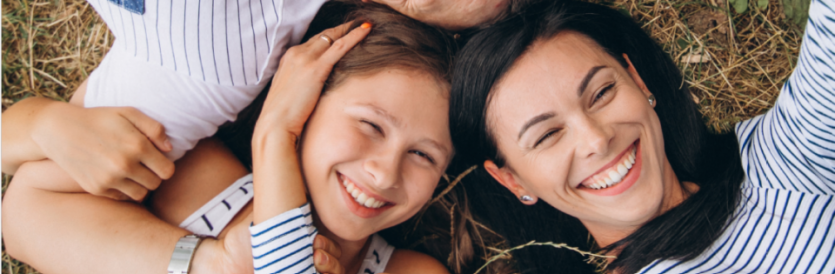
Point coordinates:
[(183, 254)]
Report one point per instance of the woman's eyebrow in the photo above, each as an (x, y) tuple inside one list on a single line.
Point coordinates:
[(533, 121), (587, 79)]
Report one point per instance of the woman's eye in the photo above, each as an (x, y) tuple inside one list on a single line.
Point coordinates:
[(424, 155), (545, 137), (603, 92), (376, 128)]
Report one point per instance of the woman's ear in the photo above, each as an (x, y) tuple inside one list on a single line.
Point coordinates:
[(506, 178), (635, 77)]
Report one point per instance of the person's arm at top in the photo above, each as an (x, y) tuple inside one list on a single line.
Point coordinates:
[(795, 138)]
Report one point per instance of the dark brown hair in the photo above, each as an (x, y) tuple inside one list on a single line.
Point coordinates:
[(395, 40)]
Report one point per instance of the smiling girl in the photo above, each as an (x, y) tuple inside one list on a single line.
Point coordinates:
[(573, 104), (369, 150)]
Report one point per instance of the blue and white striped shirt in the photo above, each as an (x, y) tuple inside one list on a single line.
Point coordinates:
[(284, 244), (784, 221)]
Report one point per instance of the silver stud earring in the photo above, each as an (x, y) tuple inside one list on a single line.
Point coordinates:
[(651, 100), (526, 198)]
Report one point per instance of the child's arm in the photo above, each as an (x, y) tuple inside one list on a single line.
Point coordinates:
[(282, 235), (105, 150)]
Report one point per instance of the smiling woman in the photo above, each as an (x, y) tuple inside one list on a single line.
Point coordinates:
[(572, 103)]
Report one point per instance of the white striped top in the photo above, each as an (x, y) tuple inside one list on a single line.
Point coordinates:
[(284, 244), (784, 222), (192, 65)]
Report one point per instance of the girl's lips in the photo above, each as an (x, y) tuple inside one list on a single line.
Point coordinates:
[(627, 181), (360, 210)]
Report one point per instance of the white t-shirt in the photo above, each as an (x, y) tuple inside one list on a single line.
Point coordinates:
[(193, 65)]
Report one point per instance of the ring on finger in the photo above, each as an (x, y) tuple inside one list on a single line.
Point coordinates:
[(327, 39)]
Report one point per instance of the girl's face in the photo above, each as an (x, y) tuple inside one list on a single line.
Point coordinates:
[(374, 149), (577, 131)]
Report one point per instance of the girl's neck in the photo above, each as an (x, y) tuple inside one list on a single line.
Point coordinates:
[(353, 252)]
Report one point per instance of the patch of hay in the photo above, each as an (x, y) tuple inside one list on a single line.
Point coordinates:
[(49, 47), (735, 64)]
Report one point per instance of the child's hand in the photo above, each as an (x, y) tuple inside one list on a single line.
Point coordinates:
[(301, 76), (111, 152)]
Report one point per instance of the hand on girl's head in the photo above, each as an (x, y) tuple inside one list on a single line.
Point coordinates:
[(301, 75)]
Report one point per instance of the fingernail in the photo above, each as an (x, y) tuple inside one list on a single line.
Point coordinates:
[(321, 259), (317, 244), (366, 25), (168, 144)]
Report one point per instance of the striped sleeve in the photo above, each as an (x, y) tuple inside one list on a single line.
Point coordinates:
[(792, 146), (284, 243)]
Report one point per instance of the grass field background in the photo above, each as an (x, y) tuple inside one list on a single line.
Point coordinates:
[(735, 54)]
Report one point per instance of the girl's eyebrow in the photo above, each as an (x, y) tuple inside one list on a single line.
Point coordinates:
[(380, 112), (587, 79)]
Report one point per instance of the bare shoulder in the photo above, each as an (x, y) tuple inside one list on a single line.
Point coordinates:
[(405, 261)]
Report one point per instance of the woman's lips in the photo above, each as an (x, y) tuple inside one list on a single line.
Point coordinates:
[(373, 204), (601, 183)]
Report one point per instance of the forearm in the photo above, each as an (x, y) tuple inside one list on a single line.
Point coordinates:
[(277, 177), (18, 123), (82, 233), (48, 176)]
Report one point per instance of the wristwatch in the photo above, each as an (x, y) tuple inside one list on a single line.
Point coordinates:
[(183, 253)]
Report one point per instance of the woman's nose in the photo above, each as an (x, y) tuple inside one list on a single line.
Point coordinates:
[(594, 137), (384, 169)]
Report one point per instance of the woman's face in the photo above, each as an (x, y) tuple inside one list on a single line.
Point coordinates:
[(577, 131), (374, 149)]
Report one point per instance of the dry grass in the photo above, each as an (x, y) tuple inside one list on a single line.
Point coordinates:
[(736, 67), (734, 63)]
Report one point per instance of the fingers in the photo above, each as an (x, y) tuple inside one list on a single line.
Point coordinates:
[(326, 254), (152, 159), (323, 243), (160, 165), (145, 178), (344, 44), (126, 190), (318, 45), (326, 263), (149, 127)]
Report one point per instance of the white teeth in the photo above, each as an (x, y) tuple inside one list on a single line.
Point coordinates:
[(370, 202), (360, 197), (608, 181), (622, 169), (613, 175)]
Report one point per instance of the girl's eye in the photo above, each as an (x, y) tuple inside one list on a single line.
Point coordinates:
[(603, 92), (545, 137), (373, 125), (424, 155)]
